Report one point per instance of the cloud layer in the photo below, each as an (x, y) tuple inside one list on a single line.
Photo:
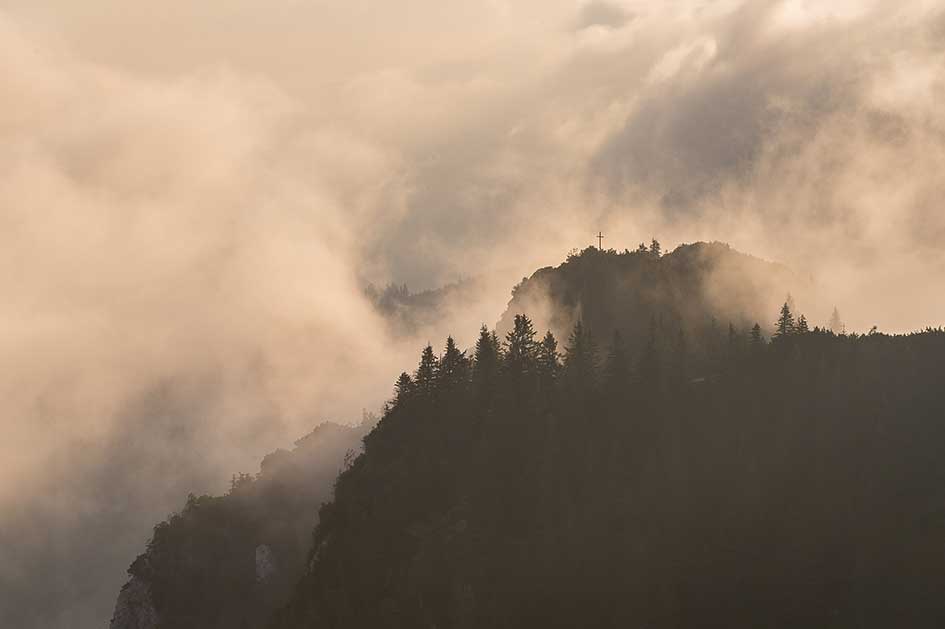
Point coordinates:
[(191, 195)]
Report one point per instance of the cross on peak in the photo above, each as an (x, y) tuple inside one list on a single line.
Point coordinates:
[(600, 241)]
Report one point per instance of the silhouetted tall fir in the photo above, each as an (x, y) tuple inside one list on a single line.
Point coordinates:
[(547, 358), (454, 366), (789, 300), (520, 346), (756, 341), (426, 375), (485, 362), (785, 324), (403, 389), (802, 326), (655, 248)]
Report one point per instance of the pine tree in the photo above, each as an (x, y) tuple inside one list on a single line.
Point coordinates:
[(785, 324), (520, 346), (454, 365), (642, 248), (756, 341), (426, 375), (802, 326), (486, 360), (547, 358), (655, 249), (403, 388)]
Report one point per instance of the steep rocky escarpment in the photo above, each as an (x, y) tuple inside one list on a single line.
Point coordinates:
[(228, 561)]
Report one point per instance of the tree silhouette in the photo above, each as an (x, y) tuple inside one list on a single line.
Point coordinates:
[(454, 366), (802, 326), (403, 388), (520, 346), (785, 324), (756, 341), (547, 358), (655, 248), (485, 361), (426, 374)]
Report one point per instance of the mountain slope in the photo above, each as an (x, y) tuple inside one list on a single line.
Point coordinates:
[(228, 561), (801, 485), (687, 289)]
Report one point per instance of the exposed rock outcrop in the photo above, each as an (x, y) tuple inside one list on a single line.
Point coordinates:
[(229, 561), (134, 608), (265, 564)]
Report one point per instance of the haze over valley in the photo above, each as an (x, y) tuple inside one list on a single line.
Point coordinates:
[(223, 225)]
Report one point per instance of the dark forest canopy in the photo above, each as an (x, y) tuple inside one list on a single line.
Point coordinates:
[(788, 482), (693, 287), (657, 464)]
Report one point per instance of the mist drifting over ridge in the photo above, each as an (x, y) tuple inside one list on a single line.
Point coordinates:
[(191, 195)]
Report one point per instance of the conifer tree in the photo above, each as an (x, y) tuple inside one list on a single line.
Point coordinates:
[(485, 360), (756, 341), (453, 364), (655, 248), (403, 388), (789, 300), (642, 248), (547, 358), (426, 375), (785, 324), (520, 346), (802, 326)]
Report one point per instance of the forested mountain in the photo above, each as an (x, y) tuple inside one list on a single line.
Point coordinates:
[(694, 288), (676, 459), (229, 561), (408, 312), (800, 486), (665, 468)]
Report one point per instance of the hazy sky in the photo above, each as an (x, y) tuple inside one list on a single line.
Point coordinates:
[(191, 194)]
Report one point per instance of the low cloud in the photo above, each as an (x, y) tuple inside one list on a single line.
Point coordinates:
[(191, 198)]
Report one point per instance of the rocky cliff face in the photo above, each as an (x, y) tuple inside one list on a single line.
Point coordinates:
[(134, 608), (265, 564), (226, 562)]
